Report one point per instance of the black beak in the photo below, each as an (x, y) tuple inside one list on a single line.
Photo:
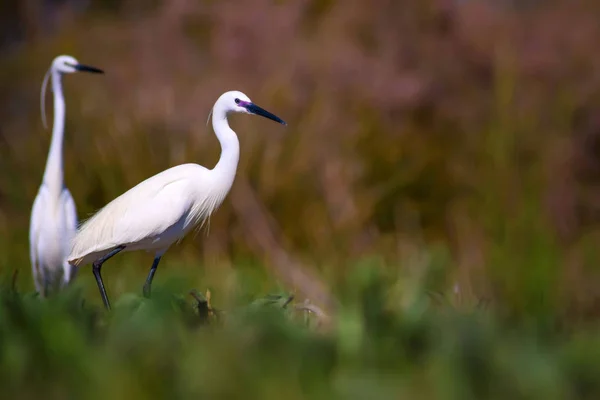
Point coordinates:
[(87, 68), (254, 109)]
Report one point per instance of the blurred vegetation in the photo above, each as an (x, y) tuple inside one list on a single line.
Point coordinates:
[(453, 144), (387, 342)]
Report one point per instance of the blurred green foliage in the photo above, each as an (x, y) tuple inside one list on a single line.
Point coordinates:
[(378, 347)]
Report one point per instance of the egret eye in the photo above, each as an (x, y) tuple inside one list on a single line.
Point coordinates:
[(237, 101)]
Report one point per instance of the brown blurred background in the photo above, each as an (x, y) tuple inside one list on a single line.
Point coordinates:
[(465, 132)]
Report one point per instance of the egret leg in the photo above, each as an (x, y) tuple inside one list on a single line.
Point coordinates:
[(148, 284), (96, 266)]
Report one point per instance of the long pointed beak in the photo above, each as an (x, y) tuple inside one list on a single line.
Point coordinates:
[(87, 68), (254, 109)]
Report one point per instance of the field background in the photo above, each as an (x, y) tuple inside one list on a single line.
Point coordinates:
[(436, 192)]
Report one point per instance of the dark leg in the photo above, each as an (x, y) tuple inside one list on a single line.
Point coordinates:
[(148, 284), (96, 266)]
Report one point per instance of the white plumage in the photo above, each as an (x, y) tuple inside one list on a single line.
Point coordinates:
[(148, 225), (165, 207), (53, 216)]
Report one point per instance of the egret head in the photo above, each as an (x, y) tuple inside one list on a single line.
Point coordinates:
[(62, 65), (69, 65), (236, 101)]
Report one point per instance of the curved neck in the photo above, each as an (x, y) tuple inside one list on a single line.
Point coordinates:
[(53, 175), (230, 147)]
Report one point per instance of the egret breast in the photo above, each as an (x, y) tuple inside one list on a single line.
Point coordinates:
[(53, 241)]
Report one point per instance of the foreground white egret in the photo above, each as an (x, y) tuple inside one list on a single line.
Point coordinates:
[(165, 207), (53, 216)]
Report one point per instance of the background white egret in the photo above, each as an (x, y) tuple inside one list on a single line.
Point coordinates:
[(165, 207), (53, 217)]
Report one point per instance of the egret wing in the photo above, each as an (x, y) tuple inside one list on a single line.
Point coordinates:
[(70, 214), (152, 215), (70, 211), (34, 236), (152, 212)]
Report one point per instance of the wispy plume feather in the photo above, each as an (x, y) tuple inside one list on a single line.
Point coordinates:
[(43, 97), (209, 115)]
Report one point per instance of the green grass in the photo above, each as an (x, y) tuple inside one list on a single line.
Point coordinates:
[(377, 345)]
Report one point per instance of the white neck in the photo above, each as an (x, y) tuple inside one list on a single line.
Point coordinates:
[(230, 148), (53, 175)]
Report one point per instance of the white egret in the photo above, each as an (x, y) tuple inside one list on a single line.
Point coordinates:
[(53, 216), (165, 207)]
